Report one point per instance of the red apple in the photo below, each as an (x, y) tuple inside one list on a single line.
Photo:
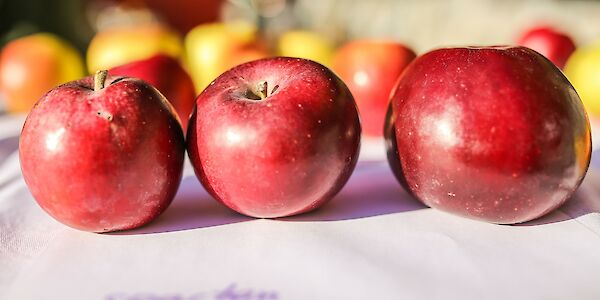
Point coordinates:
[(102, 156), (495, 134), (166, 74), (553, 44), (274, 137), (370, 68)]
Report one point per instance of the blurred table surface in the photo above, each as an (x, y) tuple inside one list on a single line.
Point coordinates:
[(372, 241)]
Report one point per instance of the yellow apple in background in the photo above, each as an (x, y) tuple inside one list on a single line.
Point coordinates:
[(119, 45), (32, 65), (583, 70), (213, 48), (306, 44)]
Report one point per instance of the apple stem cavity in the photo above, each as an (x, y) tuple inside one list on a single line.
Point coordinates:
[(263, 90), (100, 79)]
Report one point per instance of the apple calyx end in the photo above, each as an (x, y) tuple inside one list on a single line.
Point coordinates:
[(100, 79)]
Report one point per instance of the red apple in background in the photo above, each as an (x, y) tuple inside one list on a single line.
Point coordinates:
[(185, 14), (274, 137), (553, 44), (370, 68), (166, 74), (102, 156), (495, 134)]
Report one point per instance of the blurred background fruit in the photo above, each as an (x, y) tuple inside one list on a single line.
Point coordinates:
[(306, 44), (122, 44), (166, 74), (370, 68), (215, 47), (184, 15), (583, 70), (555, 45), (32, 65), (121, 31)]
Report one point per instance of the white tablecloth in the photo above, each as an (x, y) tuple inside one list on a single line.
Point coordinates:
[(371, 242)]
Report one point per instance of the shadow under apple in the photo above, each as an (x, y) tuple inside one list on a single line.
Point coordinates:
[(8, 146), (192, 208), (371, 191), (9, 161)]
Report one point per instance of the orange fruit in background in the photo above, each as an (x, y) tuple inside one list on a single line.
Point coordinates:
[(32, 65)]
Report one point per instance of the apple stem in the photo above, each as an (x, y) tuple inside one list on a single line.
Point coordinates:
[(262, 90), (100, 79)]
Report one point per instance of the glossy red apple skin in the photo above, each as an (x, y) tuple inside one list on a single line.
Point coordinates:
[(286, 154), (495, 134), (553, 44), (102, 160), (166, 74), (370, 68)]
